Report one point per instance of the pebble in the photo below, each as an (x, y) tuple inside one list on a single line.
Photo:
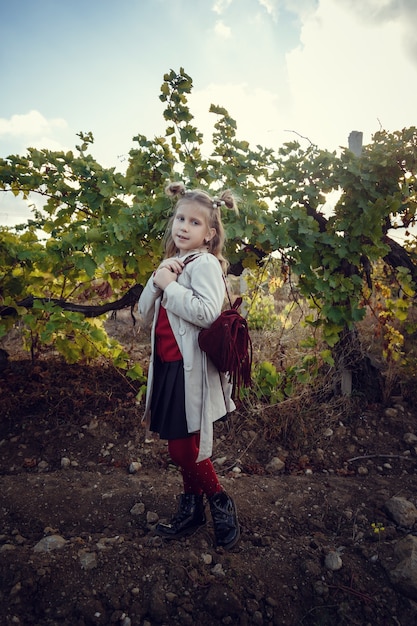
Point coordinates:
[(19, 539), (218, 570), (170, 596), (220, 460), (362, 470), (134, 467), (137, 509), (7, 547), (88, 560), (348, 513), (105, 542), (16, 589), (332, 561), (321, 588), (152, 517), (47, 544), (207, 559), (92, 425), (402, 511), (275, 464), (410, 438)]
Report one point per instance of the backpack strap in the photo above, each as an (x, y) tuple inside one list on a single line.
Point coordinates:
[(192, 257), (232, 306), (237, 302)]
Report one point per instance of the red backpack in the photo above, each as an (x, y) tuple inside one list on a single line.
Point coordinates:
[(228, 344)]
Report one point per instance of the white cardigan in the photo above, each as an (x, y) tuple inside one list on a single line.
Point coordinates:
[(192, 302)]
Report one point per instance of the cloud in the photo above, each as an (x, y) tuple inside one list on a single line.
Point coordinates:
[(347, 74), (32, 129), (271, 6), (301, 8), (254, 109), (32, 124), (220, 6), (222, 30), (17, 134), (381, 12)]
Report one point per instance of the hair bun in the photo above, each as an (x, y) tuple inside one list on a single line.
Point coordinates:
[(227, 199), (175, 189)]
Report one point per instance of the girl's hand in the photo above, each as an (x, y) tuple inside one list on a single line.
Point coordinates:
[(163, 277), (173, 264)]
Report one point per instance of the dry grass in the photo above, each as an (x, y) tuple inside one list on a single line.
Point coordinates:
[(297, 421)]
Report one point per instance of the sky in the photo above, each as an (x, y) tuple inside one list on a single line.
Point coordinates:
[(283, 69)]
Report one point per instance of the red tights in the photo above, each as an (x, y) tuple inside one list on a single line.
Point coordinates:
[(200, 477)]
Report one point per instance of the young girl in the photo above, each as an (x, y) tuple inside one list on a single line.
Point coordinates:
[(185, 392)]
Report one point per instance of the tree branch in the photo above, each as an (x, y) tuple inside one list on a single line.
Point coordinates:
[(129, 299), (399, 257)]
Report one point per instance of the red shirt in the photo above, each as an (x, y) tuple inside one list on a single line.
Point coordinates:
[(166, 345)]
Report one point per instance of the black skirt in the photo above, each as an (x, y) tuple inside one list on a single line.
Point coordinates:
[(168, 400)]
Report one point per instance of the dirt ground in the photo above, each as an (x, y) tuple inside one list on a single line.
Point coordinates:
[(82, 489)]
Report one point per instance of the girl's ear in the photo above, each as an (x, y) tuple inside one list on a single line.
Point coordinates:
[(210, 235)]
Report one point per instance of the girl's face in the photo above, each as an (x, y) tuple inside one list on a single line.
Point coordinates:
[(190, 229)]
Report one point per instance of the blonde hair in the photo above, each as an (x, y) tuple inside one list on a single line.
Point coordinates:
[(212, 207)]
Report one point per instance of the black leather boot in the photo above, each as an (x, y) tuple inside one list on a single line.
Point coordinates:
[(189, 517), (225, 522)]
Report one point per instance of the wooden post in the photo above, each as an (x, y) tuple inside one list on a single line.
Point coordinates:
[(355, 142), (355, 145)]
